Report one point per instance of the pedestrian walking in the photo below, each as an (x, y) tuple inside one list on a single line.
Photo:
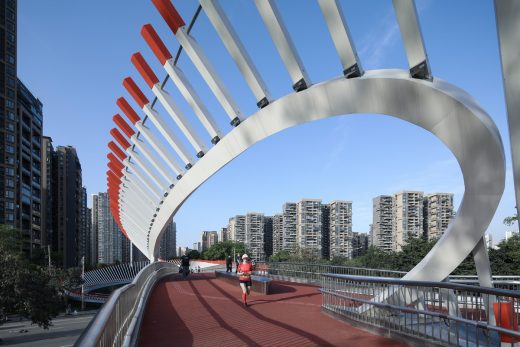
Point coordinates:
[(245, 270), (238, 260), (229, 264)]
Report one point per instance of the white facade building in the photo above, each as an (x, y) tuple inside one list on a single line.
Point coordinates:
[(309, 226), (255, 236), (340, 227), (408, 217), (277, 233), (289, 226), (382, 231), (438, 212)]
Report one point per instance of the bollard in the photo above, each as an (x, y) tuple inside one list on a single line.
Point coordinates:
[(506, 318)]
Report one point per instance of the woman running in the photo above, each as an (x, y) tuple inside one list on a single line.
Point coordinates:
[(245, 269)]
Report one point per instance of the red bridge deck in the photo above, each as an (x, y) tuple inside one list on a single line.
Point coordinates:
[(204, 311)]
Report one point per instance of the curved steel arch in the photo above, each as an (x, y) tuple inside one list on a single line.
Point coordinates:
[(443, 109)]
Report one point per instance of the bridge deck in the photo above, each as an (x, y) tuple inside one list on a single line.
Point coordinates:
[(204, 311)]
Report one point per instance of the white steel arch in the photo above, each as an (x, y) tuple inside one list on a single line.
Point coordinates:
[(446, 111), (413, 96)]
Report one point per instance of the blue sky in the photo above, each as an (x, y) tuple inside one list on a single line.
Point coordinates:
[(74, 55)]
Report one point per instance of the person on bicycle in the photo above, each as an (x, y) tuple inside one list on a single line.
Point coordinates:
[(185, 265)]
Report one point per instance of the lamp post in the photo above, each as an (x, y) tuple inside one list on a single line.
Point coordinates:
[(82, 283)]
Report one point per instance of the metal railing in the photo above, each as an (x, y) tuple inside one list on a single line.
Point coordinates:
[(311, 273), (116, 322), (441, 312)]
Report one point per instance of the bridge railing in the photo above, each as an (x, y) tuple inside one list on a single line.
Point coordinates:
[(119, 318), (442, 312), (311, 273)]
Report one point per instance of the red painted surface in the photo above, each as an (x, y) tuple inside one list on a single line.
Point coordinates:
[(136, 93), (119, 138), (506, 318), (123, 125), (117, 151), (128, 110), (156, 44), (203, 311), (114, 160), (113, 167), (144, 69), (169, 14)]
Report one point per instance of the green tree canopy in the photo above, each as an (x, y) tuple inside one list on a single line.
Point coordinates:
[(505, 260), (220, 250), (25, 288)]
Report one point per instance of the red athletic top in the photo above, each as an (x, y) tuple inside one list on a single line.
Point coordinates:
[(247, 271)]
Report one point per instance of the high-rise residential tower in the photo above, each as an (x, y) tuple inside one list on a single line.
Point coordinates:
[(94, 235), (209, 238), (67, 205), (340, 226), (10, 141), (268, 236), (382, 223), (110, 237), (237, 228), (308, 226), (22, 186), (277, 233), (168, 244), (325, 231), (438, 212), (289, 226), (223, 234), (408, 217), (254, 239)]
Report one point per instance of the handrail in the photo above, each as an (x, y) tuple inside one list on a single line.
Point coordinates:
[(445, 312), (111, 323), (446, 285)]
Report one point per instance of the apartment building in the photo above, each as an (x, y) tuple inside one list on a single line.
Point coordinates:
[(237, 228), (254, 239), (382, 231), (325, 231), (289, 226), (340, 228), (408, 217), (438, 213), (168, 244), (209, 238), (277, 233), (309, 226)]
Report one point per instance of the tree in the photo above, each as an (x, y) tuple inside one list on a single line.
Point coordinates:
[(511, 220), (194, 254), (280, 256), (25, 288), (505, 260), (220, 250)]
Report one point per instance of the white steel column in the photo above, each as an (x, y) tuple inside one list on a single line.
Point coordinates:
[(236, 49), (508, 28), (176, 144), (284, 44), (153, 160), (340, 34), (412, 38), (159, 148)]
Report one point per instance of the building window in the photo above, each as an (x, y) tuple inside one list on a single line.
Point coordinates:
[(10, 138), (9, 104), (9, 205), (9, 171), (9, 194), (10, 115), (10, 217), (9, 149), (9, 183)]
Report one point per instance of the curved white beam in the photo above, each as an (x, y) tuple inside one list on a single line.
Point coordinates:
[(439, 107)]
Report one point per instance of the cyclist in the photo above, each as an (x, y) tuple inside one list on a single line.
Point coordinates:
[(185, 265)]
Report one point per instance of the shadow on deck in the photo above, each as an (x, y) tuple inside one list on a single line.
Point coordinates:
[(204, 311)]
